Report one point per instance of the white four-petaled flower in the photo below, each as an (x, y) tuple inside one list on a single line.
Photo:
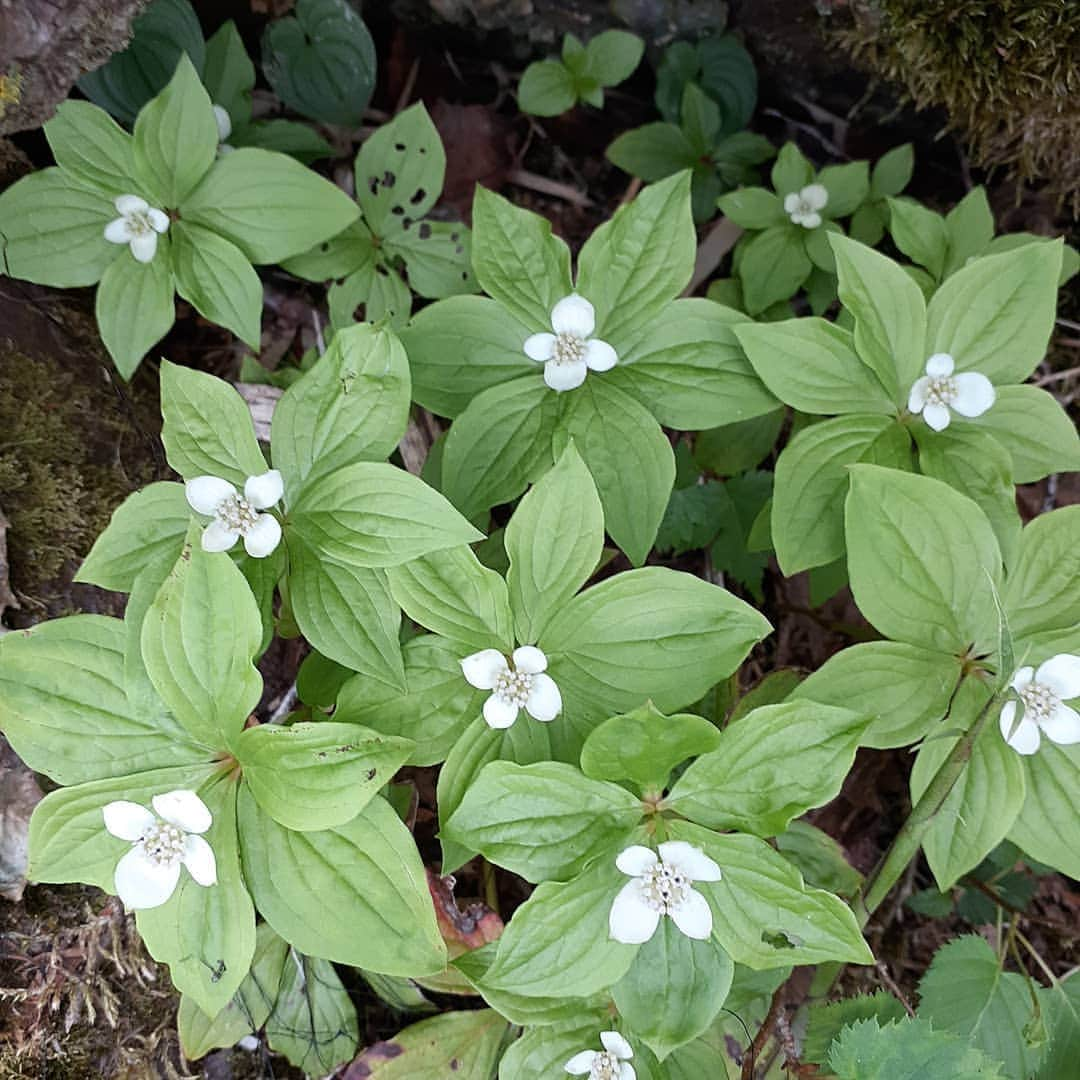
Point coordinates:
[(1043, 692), (237, 515), (161, 840), (569, 353), (803, 207), (137, 226), (939, 390), (662, 886), (521, 684), (611, 1063)]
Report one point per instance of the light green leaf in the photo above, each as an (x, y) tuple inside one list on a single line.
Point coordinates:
[(819, 858), (463, 1043), (652, 151), (773, 265), (546, 89), (91, 148), (348, 252), (827, 1020), (791, 171), (1046, 826), (970, 225), (922, 560), (286, 137), (541, 1052), (612, 56), (438, 258), (229, 74), (920, 234), (373, 294), (752, 783), (752, 208), (848, 185), (176, 138), (1061, 1014), (1049, 555), (893, 170), (317, 775), (1036, 431)]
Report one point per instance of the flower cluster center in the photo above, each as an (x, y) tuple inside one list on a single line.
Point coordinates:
[(1039, 701), (569, 349), (139, 222), (163, 843), (513, 687), (235, 512), (664, 887), (605, 1066), (942, 390)]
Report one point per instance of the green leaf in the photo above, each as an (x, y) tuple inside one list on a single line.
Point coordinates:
[(52, 232), (206, 934), (321, 62), (150, 524), (214, 276), (554, 541), (690, 370), (730, 551), (920, 234), (500, 443), (693, 517), (701, 121), (773, 264), (379, 291), (348, 252), (893, 170), (91, 148), (728, 75), (966, 992), (644, 746), (1061, 1014), (819, 858), (791, 171), (518, 261), (286, 137), (763, 914), (1035, 430), (907, 1050), (134, 306), (827, 1021), (674, 988), (811, 365), (353, 405), (542, 821), (546, 89), (995, 315), (355, 893), (812, 478), (1049, 554), (652, 634), (452, 594), (229, 74), (630, 460), (922, 560), (400, 171), (752, 208), (734, 448), (905, 688), (313, 1023), (612, 56), (1046, 825), (652, 151), (848, 185), (632, 266), (541, 1052), (374, 515), (207, 427), (438, 258), (268, 205), (970, 225), (750, 783), (317, 775), (467, 1043)]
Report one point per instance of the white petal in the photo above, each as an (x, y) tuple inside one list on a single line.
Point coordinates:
[(1026, 739), (159, 220), (205, 493), (143, 247), (530, 659), (615, 1044), (200, 861), (1022, 678), (127, 820), (580, 1064), (130, 204), (631, 920), (118, 231), (809, 221), (498, 713), (599, 355), (636, 860), (184, 809), (694, 916), (917, 398), (692, 859), (941, 363), (974, 394), (1061, 675), (218, 537), (265, 490), (566, 376), (540, 347), (482, 668), (263, 536), (936, 416), (142, 883), (1062, 726), (224, 122), (573, 314), (544, 701), (626, 1071), (791, 203), (815, 196)]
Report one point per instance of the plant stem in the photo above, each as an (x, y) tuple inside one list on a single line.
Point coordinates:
[(905, 845)]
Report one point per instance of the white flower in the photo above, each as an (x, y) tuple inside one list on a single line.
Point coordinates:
[(939, 390), (224, 128), (803, 206), (236, 515), (1043, 693), (569, 353), (662, 886), (138, 226), (611, 1063), (160, 841), (521, 686)]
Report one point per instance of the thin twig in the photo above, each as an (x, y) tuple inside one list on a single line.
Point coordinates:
[(285, 705), (534, 182), (762, 1037), (895, 990), (407, 89)]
